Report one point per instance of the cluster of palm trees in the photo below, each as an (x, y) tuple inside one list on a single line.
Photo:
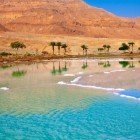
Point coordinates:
[(59, 45), (104, 48), (126, 46)]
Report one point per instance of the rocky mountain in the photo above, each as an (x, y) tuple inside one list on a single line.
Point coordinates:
[(2, 28), (65, 17)]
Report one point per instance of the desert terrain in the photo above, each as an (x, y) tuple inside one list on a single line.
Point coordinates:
[(41, 43), (38, 22)]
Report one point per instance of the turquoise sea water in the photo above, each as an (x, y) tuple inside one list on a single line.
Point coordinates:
[(33, 106)]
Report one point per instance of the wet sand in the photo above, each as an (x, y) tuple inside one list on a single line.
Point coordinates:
[(117, 79)]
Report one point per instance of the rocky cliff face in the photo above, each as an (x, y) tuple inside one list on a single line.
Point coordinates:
[(66, 17)]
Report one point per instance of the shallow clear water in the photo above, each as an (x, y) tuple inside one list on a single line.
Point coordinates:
[(70, 100)]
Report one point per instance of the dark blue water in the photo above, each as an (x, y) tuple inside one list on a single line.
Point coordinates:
[(134, 93)]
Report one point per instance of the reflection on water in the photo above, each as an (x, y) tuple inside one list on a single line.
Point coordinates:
[(35, 106), (19, 73), (85, 65), (129, 64), (104, 64), (60, 69)]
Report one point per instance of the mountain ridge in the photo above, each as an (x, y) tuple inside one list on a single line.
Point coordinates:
[(65, 17)]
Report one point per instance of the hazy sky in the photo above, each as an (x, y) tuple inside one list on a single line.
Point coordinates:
[(125, 8)]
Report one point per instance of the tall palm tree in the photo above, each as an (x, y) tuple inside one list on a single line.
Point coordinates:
[(59, 44), (104, 46), (53, 44), (86, 48), (83, 47), (131, 44), (108, 47), (64, 46)]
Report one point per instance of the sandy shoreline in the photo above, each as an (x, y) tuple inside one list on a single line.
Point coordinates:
[(27, 59)]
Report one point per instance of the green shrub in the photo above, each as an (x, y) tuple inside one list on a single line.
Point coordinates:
[(5, 54)]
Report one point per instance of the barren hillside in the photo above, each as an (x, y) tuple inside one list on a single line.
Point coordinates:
[(65, 17)]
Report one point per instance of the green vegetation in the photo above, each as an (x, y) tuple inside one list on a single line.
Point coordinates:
[(58, 44), (5, 66), (107, 64), (85, 48), (108, 47), (105, 47), (104, 64), (124, 47), (53, 44), (85, 65), (17, 45), (5, 54), (59, 70), (19, 73), (124, 63), (65, 67), (100, 49), (64, 46), (127, 64)]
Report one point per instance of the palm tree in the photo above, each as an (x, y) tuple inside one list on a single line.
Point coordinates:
[(59, 44), (108, 47), (53, 44), (131, 44), (104, 46), (83, 47), (64, 46), (86, 48)]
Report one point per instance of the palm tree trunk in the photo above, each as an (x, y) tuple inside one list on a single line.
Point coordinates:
[(132, 49), (83, 51), (16, 52), (64, 51), (59, 50), (53, 49), (86, 52)]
